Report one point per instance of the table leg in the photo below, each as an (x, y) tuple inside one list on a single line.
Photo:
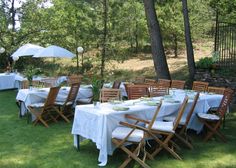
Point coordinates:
[(78, 145)]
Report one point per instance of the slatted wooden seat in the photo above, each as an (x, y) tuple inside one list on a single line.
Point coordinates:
[(66, 107), (44, 111), (214, 121), (137, 91), (109, 94), (177, 84), (217, 90), (200, 86)]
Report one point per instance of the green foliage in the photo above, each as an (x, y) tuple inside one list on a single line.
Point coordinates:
[(208, 62), (205, 63), (31, 71), (96, 86), (225, 9)]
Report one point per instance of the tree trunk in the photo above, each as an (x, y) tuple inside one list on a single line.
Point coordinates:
[(13, 21), (104, 40), (158, 53), (188, 41)]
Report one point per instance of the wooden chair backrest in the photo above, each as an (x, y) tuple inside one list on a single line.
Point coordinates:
[(177, 84), (154, 116), (158, 90), (25, 84), (217, 90), (137, 91), (180, 112), (52, 95), (49, 82), (164, 82), (191, 109), (225, 102), (73, 92), (126, 87), (116, 85), (74, 79), (200, 86), (109, 94)]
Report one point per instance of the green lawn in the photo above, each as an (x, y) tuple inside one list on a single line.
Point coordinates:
[(24, 145)]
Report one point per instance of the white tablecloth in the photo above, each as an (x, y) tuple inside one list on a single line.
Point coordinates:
[(28, 97), (7, 81), (97, 124)]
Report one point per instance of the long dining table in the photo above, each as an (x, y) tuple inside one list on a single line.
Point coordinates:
[(97, 122), (36, 95)]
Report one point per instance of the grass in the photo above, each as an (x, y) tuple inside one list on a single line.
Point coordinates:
[(23, 145)]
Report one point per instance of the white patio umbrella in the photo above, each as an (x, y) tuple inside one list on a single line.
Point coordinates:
[(55, 52), (26, 50)]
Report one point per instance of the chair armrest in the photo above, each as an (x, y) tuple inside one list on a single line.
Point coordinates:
[(137, 119), (133, 126)]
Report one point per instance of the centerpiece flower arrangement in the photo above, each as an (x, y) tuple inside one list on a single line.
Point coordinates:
[(96, 86)]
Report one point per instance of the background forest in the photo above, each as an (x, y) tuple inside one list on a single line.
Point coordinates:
[(73, 23)]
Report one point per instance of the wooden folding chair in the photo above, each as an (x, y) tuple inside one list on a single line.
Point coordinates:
[(216, 90), (126, 87), (109, 94), (181, 133), (166, 130), (116, 85), (49, 82), (74, 79), (43, 111), (158, 90), (164, 82), (133, 134), (137, 91), (177, 84), (200, 86), (213, 121), (65, 108), (25, 84)]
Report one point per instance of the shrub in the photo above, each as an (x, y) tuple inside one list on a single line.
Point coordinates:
[(205, 63)]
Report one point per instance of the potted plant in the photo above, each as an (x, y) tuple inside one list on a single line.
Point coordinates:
[(29, 72)]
